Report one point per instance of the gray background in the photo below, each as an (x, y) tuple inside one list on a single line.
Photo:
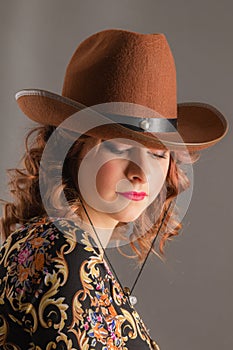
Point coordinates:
[(186, 301)]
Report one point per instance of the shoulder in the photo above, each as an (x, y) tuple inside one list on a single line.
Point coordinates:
[(41, 239), (38, 229), (39, 276), (39, 249)]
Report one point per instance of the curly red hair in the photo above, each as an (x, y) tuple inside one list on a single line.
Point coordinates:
[(27, 203)]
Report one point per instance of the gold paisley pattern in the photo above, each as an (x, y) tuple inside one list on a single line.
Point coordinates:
[(56, 293)]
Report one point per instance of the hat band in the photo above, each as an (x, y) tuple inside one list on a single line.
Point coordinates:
[(145, 124)]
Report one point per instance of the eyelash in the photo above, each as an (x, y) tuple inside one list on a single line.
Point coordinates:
[(114, 150)]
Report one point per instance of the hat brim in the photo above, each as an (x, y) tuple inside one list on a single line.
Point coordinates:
[(199, 125)]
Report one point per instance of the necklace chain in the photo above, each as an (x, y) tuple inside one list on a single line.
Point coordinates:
[(127, 290)]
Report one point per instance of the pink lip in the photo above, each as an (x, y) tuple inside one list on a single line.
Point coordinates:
[(136, 196)]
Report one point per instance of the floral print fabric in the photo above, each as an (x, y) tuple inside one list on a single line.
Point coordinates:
[(56, 293)]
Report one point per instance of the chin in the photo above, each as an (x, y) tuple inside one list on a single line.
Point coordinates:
[(128, 217)]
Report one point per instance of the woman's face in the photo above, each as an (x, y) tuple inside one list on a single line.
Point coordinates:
[(119, 179)]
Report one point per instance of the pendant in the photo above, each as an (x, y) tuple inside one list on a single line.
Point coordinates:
[(132, 298)]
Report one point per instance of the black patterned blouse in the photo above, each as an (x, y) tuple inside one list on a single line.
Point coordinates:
[(56, 293)]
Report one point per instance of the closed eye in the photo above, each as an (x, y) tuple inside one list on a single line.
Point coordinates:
[(159, 155), (111, 148), (114, 150)]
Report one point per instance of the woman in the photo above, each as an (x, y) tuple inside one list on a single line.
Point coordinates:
[(105, 166)]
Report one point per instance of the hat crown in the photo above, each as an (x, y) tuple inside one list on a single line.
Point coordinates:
[(121, 66)]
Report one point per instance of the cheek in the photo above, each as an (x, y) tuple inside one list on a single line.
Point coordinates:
[(165, 168), (107, 176), (159, 178)]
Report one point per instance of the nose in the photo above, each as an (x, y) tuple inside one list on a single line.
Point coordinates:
[(138, 167)]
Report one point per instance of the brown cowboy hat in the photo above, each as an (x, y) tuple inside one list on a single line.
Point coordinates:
[(128, 68)]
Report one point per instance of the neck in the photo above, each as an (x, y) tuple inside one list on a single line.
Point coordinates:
[(104, 234), (103, 224)]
